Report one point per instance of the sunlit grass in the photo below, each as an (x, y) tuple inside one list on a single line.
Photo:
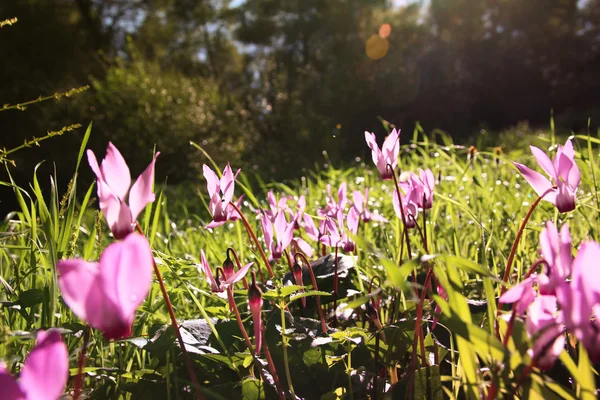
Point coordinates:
[(479, 203)]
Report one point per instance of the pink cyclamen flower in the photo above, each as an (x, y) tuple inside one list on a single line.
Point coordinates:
[(279, 238), (218, 285), (556, 252), (409, 205), (255, 303), (333, 206), (564, 173), (221, 194), (544, 324), (361, 204), (337, 233), (44, 373), (387, 155), (276, 206), (428, 182), (114, 188), (579, 299), (106, 293)]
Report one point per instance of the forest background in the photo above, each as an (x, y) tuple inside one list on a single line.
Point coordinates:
[(277, 86)]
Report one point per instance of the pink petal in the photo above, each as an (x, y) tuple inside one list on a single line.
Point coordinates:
[(305, 247), (544, 161), (118, 217), (288, 235), (46, 369), (358, 200), (549, 242), (126, 270), (280, 224), (353, 220), (78, 284), (302, 203), (241, 273), (227, 184), (372, 143), (391, 147), (256, 307), (267, 231), (342, 198), (568, 149), (212, 180), (214, 224), (9, 385), (141, 192), (116, 172), (94, 164), (208, 273), (537, 181)]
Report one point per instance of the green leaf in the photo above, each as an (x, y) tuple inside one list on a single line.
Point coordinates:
[(30, 298)]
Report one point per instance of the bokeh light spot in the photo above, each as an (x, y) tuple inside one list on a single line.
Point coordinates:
[(385, 30), (376, 47)]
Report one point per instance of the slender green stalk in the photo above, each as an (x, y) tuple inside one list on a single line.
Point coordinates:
[(285, 352)]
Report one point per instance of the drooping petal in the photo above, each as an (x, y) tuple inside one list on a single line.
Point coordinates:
[(46, 368), (537, 181), (116, 172), (79, 287), (141, 193), (239, 275), (126, 270), (522, 294), (305, 247), (9, 385), (208, 273)]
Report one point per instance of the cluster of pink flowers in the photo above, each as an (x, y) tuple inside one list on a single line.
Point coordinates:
[(565, 295), (105, 294)]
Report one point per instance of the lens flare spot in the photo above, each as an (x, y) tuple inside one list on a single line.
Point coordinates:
[(385, 30), (376, 47)]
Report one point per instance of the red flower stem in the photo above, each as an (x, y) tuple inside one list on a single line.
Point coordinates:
[(289, 260), (388, 166), (316, 288), (239, 265), (513, 251), (81, 363), (375, 303), (255, 239), (511, 322), (271, 366), (239, 321), (248, 342), (186, 356)]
